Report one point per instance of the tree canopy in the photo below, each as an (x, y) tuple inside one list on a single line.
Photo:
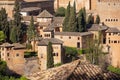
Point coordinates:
[(60, 12)]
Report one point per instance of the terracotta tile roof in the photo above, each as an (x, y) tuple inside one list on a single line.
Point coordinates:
[(29, 9), (28, 18), (45, 14), (57, 22), (96, 27), (73, 33), (18, 46), (87, 71), (6, 45), (76, 70), (52, 40), (48, 29), (113, 30)]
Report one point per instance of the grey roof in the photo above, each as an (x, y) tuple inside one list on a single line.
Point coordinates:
[(45, 14), (97, 27), (73, 33), (52, 40), (18, 46), (6, 45), (29, 9), (48, 29), (113, 30)]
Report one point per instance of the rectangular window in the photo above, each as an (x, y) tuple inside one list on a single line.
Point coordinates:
[(115, 41), (17, 55), (78, 44), (8, 54)]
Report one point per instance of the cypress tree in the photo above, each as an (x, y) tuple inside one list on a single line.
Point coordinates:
[(72, 25), (97, 21), (4, 23), (31, 30), (90, 19), (17, 20), (67, 16), (80, 23), (13, 35), (50, 60), (81, 20)]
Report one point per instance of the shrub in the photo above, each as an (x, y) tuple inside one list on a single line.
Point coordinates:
[(30, 54), (71, 52), (58, 64), (60, 12), (113, 69)]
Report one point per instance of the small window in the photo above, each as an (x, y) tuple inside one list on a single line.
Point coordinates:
[(8, 54), (106, 20), (115, 41), (109, 33), (41, 27), (69, 37), (41, 55), (116, 19), (53, 54), (109, 41), (56, 54), (78, 38), (17, 54)]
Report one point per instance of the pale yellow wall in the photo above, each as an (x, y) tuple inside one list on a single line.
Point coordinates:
[(42, 50), (114, 48), (73, 41), (109, 11)]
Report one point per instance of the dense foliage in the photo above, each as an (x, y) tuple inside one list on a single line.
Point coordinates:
[(60, 12), (71, 53), (2, 36), (30, 54), (114, 70), (50, 59)]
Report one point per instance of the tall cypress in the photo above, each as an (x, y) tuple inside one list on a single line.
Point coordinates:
[(67, 16), (50, 59), (72, 25), (97, 21), (17, 20), (90, 19), (13, 35), (81, 20), (4, 23)]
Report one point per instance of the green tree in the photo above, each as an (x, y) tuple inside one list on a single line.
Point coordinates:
[(13, 35), (97, 21), (3, 66), (60, 12), (4, 23), (17, 20), (50, 60), (2, 36), (72, 24), (67, 16), (81, 20), (90, 19), (31, 33), (94, 50)]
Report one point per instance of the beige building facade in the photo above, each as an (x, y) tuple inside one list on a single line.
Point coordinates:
[(13, 54), (74, 39), (113, 46), (42, 52)]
